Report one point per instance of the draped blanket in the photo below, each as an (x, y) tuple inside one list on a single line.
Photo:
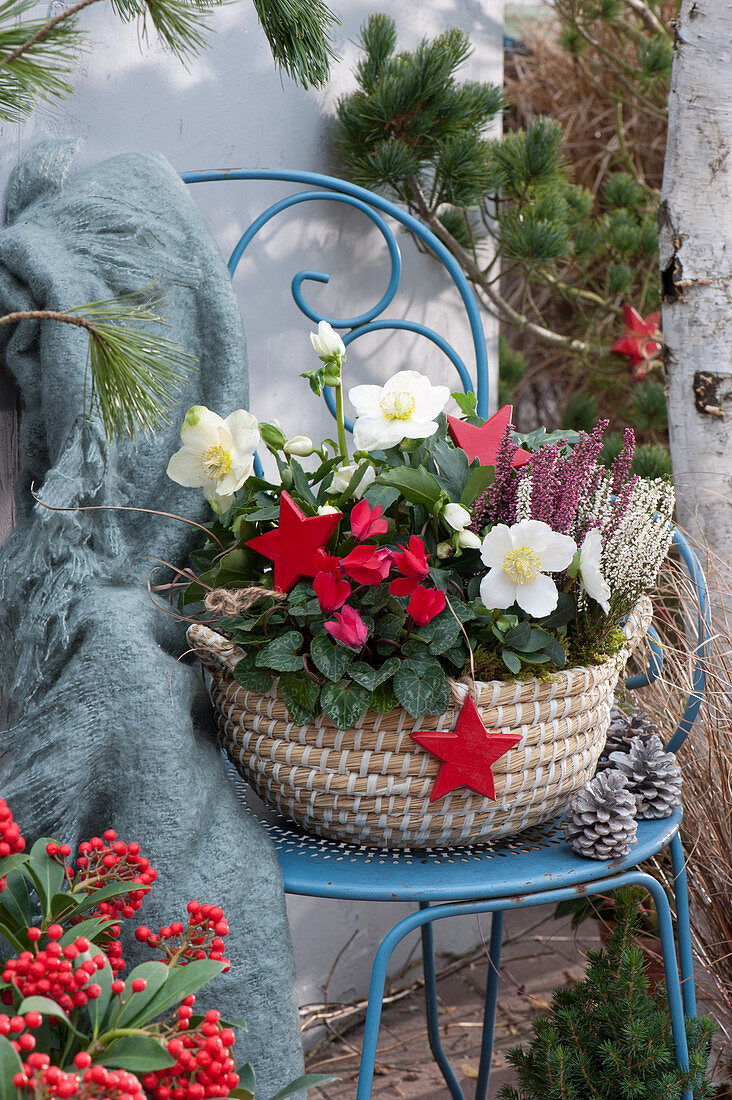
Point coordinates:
[(108, 729)]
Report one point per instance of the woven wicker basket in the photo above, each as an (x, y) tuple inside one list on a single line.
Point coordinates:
[(371, 784)]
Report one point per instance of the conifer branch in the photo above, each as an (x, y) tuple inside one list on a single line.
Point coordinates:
[(44, 31)]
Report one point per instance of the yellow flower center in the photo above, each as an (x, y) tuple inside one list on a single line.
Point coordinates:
[(522, 565), (216, 462), (397, 405)]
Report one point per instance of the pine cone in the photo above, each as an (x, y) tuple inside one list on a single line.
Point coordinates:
[(621, 731), (600, 820), (653, 776)]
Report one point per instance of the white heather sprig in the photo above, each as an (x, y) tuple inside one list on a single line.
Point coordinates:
[(635, 549), (523, 498)]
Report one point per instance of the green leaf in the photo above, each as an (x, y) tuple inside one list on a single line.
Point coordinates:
[(534, 658), (281, 653), (91, 927), (453, 464), (301, 484), (519, 635), (250, 677), (330, 659), (137, 1054), (511, 660), (383, 699), (180, 983), (556, 652), (9, 863), (369, 677), (46, 1007), (382, 495), (136, 1010), (422, 688), (82, 901), (466, 402), (308, 1081), (300, 695), (564, 613), (97, 1008), (15, 900), (10, 1064), (46, 874), (344, 703), (415, 484), (247, 1082), (478, 481)]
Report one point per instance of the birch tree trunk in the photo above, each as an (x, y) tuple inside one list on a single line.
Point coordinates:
[(696, 268)]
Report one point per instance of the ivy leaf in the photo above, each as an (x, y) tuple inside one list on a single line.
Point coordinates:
[(414, 483), (344, 703), (330, 659), (250, 677), (478, 481), (281, 653), (369, 677), (300, 695), (422, 688)]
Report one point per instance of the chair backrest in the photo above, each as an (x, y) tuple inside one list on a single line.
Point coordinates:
[(319, 187)]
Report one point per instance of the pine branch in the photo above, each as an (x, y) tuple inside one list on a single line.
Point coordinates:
[(135, 373), (298, 32), (649, 17), (43, 31)]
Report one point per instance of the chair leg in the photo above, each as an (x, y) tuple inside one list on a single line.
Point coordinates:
[(491, 1000), (430, 998), (683, 926), (673, 985)]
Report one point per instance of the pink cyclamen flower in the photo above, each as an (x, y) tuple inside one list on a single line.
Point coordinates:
[(425, 604), (348, 627), (412, 564), (367, 564), (366, 522), (331, 593)]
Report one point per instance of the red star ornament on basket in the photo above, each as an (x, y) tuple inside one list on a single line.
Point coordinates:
[(294, 546), (483, 442), (467, 753)]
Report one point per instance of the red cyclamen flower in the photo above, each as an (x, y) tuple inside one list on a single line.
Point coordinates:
[(331, 592), (412, 563), (367, 564), (366, 522), (637, 343), (425, 604), (348, 627)]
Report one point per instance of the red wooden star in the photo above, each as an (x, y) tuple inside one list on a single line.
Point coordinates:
[(483, 442), (467, 753), (294, 545)]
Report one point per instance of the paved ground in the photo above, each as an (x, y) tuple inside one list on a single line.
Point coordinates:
[(539, 954)]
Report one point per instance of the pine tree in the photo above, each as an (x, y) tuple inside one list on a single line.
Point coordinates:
[(136, 372), (606, 1037)]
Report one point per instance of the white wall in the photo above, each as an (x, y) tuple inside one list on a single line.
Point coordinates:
[(230, 109)]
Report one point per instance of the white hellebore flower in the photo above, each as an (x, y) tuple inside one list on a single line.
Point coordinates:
[(343, 475), (593, 581), (456, 516), (405, 408), (519, 557), (468, 540), (217, 455), (327, 344), (300, 445), (326, 510)]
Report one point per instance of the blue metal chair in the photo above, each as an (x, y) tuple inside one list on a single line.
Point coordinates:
[(535, 867)]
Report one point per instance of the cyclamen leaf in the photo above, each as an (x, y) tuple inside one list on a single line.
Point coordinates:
[(281, 653), (300, 695), (383, 699), (252, 678), (330, 659), (369, 677), (422, 688), (344, 703)]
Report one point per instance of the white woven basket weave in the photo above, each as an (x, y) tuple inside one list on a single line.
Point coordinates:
[(371, 784)]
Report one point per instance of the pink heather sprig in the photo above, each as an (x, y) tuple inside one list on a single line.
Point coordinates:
[(544, 483), (498, 503), (580, 476), (620, 469)]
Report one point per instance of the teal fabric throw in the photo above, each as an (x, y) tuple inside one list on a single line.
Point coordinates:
[(107, 727)]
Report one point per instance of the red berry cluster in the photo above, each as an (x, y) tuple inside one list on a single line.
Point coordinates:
[(88, 1082), (100, 864), (201, 938), (50, 972), (10, 839), (19, 1028), (204, 1066)]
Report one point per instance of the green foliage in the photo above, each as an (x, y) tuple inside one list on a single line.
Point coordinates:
[(648, 406), (652, 460), (511, 369), (607, 1037), (581, 411)]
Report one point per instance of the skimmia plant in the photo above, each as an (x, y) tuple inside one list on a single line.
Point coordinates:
[(71, 1026), (442, 547)]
